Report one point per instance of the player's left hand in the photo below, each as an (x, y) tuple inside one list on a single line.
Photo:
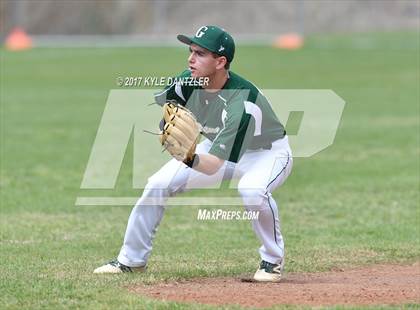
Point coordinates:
[(180, 132)]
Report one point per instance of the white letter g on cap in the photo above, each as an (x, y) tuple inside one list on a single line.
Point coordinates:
[(200, 32)]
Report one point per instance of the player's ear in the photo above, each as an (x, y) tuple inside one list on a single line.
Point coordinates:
[(221, 62)]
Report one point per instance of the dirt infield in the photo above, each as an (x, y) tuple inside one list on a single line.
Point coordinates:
[(375, 285)]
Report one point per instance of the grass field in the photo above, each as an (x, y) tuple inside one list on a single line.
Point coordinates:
[(355, 203)]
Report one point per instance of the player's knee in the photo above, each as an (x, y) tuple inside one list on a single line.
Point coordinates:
[(161, 187), (155, 183), (253, 198), (248, 191)]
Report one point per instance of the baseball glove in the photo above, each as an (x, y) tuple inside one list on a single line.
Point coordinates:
[(180, 131)]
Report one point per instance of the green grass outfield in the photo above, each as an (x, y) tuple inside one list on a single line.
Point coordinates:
[(355, 203)]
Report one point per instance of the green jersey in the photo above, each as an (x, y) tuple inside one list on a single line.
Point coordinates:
[(236, 118)]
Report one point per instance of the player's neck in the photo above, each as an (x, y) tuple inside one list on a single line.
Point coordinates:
[(217, 81)]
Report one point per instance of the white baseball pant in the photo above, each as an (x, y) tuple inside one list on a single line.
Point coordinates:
[(260, 172)]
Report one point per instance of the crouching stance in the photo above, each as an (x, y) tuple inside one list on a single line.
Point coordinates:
[(243, 140)]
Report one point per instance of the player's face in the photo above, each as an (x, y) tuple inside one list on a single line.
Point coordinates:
[(201, 62)]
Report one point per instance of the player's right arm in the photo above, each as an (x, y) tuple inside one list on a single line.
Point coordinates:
[(207, 163)]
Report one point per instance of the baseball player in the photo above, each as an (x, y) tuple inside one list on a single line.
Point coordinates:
[(243, 139)]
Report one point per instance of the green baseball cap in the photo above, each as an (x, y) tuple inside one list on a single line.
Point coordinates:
[(212, 38)]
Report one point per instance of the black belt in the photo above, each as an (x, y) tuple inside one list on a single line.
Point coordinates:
[(269, 145), (265, 147)]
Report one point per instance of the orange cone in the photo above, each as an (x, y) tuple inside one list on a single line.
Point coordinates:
[(18, 40), (290, 41)]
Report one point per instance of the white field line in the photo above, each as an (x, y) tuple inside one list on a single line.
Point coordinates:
[(109, 41)]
